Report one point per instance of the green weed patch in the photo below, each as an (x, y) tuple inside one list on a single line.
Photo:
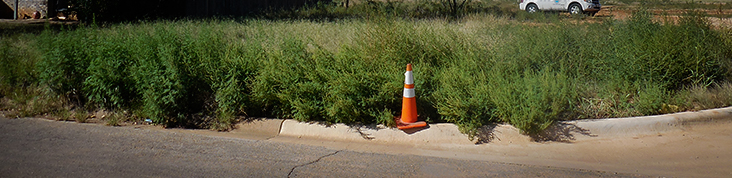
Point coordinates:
[(477, 71)]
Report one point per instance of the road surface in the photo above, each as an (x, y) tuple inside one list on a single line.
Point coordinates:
[(44, 148)]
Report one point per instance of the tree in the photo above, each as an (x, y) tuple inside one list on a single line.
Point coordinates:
[(454, 7)]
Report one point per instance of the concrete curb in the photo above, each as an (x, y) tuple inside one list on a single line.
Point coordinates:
[(651, 124), (444, 134), (441, 133)]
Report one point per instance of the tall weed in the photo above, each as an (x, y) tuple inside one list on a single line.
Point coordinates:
[(17, 64), (533, 100), (464, 96), (482, 70), (67, 55), (672, 56)]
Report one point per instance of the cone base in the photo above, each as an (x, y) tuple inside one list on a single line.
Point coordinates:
[(402, 126)]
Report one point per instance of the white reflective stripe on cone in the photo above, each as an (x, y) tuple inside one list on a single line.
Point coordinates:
[(409, 93), (408, 78)]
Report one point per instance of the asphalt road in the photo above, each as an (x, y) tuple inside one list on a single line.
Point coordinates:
[(43, 148)]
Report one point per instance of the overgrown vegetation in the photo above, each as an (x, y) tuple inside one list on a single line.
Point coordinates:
[(472, 71), (451, 9), (713, 8)]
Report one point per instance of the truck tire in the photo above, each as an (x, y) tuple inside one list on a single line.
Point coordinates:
[(531, 8), (575, 9)]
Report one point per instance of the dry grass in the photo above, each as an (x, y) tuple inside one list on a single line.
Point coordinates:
[(716, 96), (31, 102), (81, 116)]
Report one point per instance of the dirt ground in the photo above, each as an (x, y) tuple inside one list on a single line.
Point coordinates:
[(662, 15)]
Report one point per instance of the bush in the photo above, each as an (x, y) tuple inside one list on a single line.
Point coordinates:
[(17, 63), (672, 56), (464, 96), (485, 69), (66, 57), (533, 101)]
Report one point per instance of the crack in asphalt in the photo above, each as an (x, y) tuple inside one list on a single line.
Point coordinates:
[(312, 162)]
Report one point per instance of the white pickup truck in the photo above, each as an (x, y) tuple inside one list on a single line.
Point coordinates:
[(589, 7)]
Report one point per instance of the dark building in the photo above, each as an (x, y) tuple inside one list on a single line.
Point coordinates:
[(152, 9), (26, 8), (6, 11), (147, 9)]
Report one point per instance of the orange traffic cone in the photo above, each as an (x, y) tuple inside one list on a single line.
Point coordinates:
[(408, 119)]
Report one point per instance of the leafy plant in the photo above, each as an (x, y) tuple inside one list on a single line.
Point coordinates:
[(476, 71)]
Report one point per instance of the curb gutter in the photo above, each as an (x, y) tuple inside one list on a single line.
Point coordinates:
[(652, 124), (446, 134)]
